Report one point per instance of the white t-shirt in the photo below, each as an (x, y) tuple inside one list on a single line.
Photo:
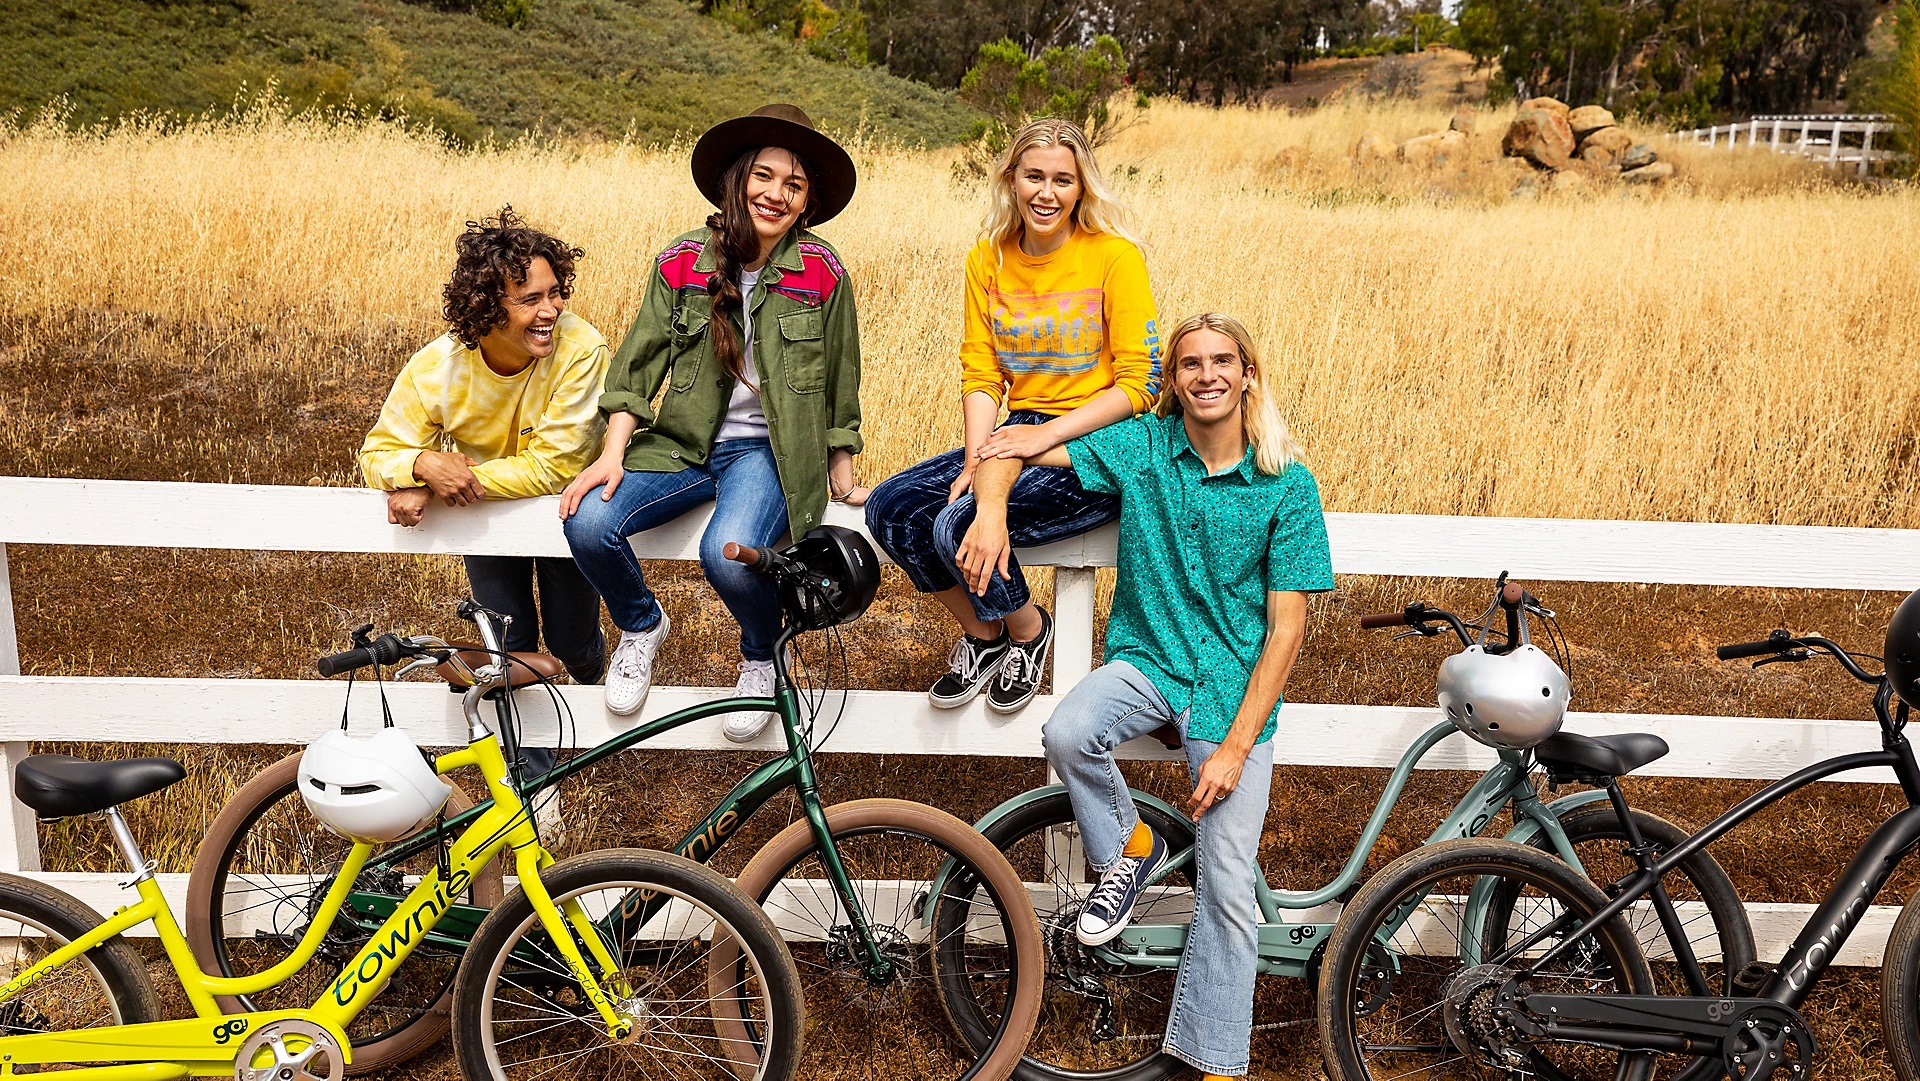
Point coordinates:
[(745, 419)]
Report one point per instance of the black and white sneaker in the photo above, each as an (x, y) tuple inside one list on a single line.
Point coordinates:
[(1020, 675), (1109, 907), (972, 664)]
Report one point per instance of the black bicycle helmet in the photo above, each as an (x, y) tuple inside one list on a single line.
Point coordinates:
[(1903, 650), (842, 575)]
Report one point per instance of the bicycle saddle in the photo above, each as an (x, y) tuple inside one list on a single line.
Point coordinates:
[(61, 786), (1573, 756), (529, 666)]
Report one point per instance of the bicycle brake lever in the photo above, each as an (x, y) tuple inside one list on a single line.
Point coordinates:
[(1789, 655)]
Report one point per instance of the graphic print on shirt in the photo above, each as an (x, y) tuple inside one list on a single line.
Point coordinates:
[(1053, 333)]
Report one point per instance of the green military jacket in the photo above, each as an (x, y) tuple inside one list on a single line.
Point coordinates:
[(806, 350)]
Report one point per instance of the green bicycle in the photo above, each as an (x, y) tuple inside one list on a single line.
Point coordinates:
[(1106, 1007), (882, 949), (548, 980)]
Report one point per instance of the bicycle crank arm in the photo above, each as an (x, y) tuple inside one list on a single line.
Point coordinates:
[(199, 1046)]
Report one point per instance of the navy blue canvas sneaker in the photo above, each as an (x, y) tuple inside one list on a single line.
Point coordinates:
[(1110, 907)]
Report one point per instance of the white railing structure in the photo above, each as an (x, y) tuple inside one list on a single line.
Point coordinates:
[(269, 711), (1821, 138)]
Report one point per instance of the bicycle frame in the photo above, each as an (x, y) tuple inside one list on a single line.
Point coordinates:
[(1289, 949), (1838, 914), (793, 770), (206, 1045)]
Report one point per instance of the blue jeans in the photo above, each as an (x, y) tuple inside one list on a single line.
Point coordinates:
[(1212, 1020), (740, 480), (909, 516)]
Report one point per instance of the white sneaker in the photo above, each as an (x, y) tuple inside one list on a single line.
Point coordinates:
[(630, 671), (756, 681)]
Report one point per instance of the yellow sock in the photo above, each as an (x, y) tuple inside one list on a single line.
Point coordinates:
[(1219, 1077), (1140, 843)]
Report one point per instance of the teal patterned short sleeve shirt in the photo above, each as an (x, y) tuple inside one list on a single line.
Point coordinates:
[(1198, 555)]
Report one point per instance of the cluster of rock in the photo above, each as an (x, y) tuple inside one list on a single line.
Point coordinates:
[(1566, 141), (1438, 148)]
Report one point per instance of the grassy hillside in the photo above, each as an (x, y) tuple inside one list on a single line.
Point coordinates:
[(652, 68)]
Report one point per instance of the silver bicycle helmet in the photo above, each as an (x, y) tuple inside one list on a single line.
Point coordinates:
[(374, 788), (1512, 700)]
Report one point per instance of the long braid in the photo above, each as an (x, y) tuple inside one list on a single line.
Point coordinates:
[(735, 245)]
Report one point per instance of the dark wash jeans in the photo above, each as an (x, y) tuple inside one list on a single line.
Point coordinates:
[(908, 514), (571, 607)]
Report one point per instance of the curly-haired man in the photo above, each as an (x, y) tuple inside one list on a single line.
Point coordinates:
[(503, 406)]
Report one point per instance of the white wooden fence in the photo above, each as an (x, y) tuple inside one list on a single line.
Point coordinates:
[(1821, 138), (256, 518)]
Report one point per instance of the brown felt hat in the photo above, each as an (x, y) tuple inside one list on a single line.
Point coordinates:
[(787, 127)]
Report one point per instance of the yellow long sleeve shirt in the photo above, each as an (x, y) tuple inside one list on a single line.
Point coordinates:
[(531, 432), (1050, 333)]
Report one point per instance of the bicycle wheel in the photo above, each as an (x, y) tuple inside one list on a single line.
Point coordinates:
[(260, 873), (1098, 1021), (519, 1014), (105, 986), (1407, 979), (985, 951), (1900, 992), (1711, 912)]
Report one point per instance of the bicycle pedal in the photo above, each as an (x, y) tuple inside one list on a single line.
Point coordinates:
[(1749, 980)]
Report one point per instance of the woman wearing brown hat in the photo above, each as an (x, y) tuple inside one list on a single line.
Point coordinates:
[(750, 324)]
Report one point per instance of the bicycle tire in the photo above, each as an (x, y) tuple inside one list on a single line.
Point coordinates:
[(978, 864), (1007, 835), (1900, 992), (60, 918), (1595, 824), (513, 927), (213, 863), (1397, 895)]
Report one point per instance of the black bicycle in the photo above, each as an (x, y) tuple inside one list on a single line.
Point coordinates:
[(1477, 958)]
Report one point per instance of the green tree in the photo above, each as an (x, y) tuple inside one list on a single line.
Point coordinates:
[(1896, 90), (1071, 82), (1677, 59)]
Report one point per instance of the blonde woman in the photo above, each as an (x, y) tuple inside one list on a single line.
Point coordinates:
[(1060, 330), (1225, 539)]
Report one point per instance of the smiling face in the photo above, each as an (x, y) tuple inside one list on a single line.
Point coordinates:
[(533, 309), (777, 188), (1046, 188), (1209, 376)]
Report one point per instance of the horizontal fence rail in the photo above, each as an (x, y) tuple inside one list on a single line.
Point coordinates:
[(276, 518), (1822, 138)]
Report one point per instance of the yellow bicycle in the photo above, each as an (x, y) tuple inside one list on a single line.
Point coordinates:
[(563, 976)]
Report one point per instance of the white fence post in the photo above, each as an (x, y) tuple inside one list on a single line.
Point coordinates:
[(1866, 150), (1775, 144), (1806, 125), (1711, 133), (1833, 142), (19, 837), (1074, 589)]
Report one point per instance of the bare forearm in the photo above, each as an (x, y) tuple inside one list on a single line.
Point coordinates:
[(980, 411), (620, 429), (1286, 631), (992, 483)]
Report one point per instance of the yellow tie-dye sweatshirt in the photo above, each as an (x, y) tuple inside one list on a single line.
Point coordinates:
[(1050, 333), (531, 432)]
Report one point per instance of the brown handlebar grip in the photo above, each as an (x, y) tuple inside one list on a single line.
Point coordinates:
[(740, 553), (1385, 619), (1512, 593)]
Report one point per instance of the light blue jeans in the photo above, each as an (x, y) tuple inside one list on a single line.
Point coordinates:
[(1212, 1020)]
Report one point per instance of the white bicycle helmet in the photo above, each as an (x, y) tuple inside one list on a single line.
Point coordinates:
[(374, 788), (1512, 700)]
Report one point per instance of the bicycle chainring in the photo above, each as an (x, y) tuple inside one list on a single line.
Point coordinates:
[(1769, 1043), (289, 1050)]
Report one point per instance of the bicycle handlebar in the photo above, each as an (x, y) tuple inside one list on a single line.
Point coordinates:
[(385, 649), (1788, 647), (1740, 650), (763, 560), (1385, 619)]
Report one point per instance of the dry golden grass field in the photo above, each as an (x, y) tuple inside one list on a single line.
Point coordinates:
[(228, 302)]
